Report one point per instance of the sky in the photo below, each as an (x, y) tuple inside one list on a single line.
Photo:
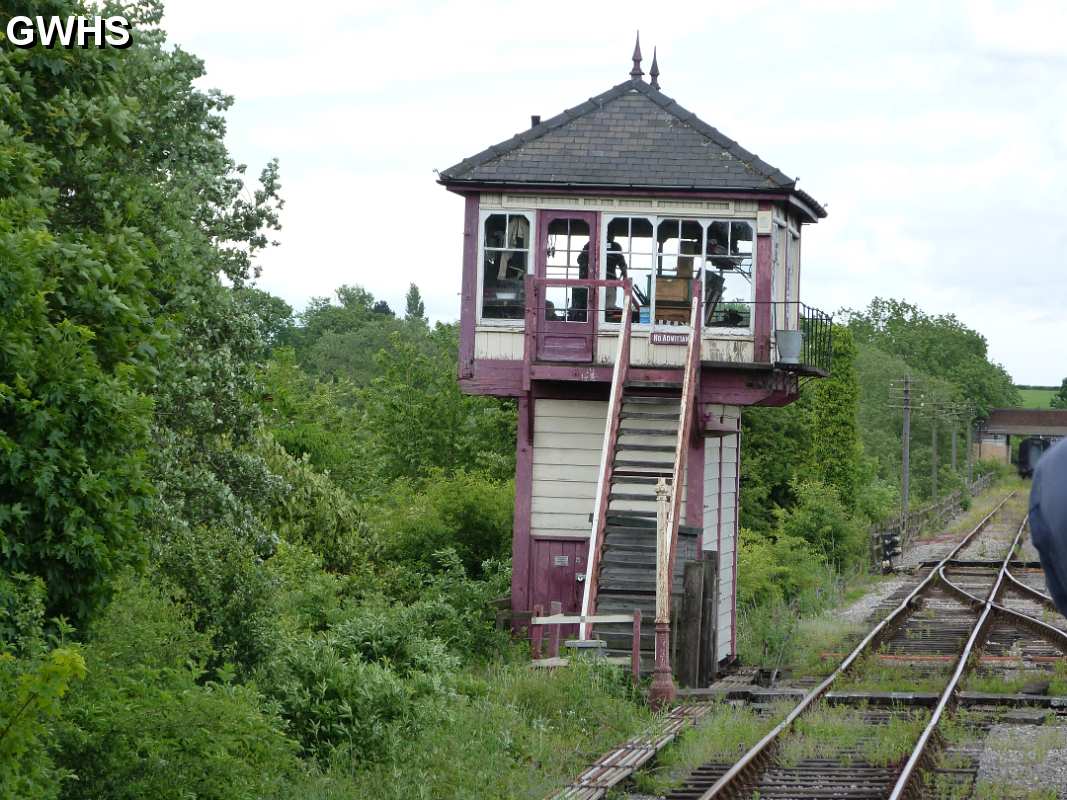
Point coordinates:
[(935, 133)]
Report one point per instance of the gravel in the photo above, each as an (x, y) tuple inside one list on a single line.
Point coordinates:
[(1027, 757)]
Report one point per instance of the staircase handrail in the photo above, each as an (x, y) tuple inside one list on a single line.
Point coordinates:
[(685, 431), (607, 461)]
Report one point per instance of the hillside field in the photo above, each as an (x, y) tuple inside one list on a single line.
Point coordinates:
[(1037, 396)]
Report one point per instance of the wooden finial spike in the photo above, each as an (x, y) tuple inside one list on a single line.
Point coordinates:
[(637, 72), (654, 72)]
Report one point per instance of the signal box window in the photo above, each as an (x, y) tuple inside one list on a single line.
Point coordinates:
[(505, 262), (728, 275)]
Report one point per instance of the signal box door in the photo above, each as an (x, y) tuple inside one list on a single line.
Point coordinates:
[(567, 315), (558, 574)]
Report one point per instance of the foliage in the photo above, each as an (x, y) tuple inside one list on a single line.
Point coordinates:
[(418, 420), (415, 309), (506, 732), (821, 519), (937, 344), (1059, 399), (466, 511), (228, 589), (143, 725), (835, 442), (33, 681)]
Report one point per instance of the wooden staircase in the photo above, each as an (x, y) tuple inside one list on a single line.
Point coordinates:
[(646, 439), (644, 452)]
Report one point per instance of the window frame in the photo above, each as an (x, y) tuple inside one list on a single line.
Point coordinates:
[(655, 219), (483, 216)]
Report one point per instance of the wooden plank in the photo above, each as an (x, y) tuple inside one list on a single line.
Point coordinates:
[(575, 619), (709, 660), (689, 624)]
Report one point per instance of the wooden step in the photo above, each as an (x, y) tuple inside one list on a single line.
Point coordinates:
[(635, 480), (661, 432), (645, 448), (656, 466), (632, 496), (673, 385), (645, 400), (648, 415)]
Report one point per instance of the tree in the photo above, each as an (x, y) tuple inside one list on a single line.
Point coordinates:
[(415, 309), (382, 307), (126, 364), (1059, 400), (835, 441)]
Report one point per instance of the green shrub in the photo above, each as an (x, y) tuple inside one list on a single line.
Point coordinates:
[(228, 588), (821, 519), (143, 726), (467, 512), (334, 700), (33, 681)]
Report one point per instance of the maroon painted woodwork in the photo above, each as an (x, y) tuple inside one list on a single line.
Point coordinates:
[(611, 438), (566, 339), (726, 384), (555, 565), (529, 341), (469, 303), (520, 533), (761, 326)]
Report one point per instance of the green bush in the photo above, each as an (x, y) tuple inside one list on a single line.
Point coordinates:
[(143, 725), (821, 519), (334, 700), (228, 588), (33, 682), (467, 512)]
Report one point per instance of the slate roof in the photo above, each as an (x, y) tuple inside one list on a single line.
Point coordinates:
[(631, 136), (1033, 420)]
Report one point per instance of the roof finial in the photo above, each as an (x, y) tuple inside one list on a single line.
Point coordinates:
[(654, 72), (637, 72)]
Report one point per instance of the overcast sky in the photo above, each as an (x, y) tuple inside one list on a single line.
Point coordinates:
[(934, 132)]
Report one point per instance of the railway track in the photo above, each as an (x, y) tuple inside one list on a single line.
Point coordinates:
[(976, 613)]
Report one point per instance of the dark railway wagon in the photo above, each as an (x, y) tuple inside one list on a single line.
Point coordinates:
[(1030, 451)]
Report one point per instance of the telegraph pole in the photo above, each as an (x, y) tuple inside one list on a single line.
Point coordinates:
[(970, 447), (933, 454), (905, 470), (954, 423)]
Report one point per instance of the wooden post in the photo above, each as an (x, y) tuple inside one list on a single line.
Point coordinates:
[(555, 607), (635, 648), (933, 455), (689, 624), (954, 462), (709, 628), (970, 451), (663, 690), (536, 632)]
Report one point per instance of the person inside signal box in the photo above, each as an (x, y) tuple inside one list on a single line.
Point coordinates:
[(1048, 520)]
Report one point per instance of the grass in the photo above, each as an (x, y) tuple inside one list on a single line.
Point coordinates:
[(845, 735), (1038, 397), (723, 736), (872, 675), (997, 683), (510, 732)]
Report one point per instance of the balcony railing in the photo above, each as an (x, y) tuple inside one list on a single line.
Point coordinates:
[(564, 316)]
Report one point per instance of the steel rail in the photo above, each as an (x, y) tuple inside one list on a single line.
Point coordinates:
[(908, 774), (763, 747)]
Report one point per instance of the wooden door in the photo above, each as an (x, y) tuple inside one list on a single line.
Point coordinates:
[(558, 569), (566, 315)]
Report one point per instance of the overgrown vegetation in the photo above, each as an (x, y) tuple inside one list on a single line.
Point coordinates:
[(244, 553)]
